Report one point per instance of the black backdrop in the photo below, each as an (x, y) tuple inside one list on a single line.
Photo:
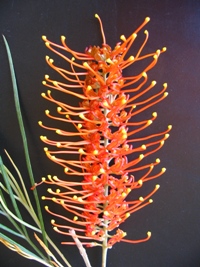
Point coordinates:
[(174, 216)]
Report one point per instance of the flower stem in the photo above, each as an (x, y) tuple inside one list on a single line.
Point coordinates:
[(105, 241), (104, 253), (104, 245)]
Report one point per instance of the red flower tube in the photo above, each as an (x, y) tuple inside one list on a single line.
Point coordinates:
[(107, 149)]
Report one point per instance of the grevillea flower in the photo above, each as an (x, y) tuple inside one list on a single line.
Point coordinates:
[(107, 149)]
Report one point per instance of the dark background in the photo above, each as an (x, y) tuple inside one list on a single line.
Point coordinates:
[(174, 216)]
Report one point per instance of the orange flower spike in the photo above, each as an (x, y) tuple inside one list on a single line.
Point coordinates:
[(104, 138)]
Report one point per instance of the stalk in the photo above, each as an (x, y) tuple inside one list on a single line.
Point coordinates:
[(105, 241)]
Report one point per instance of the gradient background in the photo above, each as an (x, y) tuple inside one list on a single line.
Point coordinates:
[(173, 218)]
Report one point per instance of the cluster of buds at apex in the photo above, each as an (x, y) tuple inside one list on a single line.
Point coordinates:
[(107, 152)]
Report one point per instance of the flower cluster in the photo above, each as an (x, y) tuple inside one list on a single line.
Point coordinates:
[(108, 153)]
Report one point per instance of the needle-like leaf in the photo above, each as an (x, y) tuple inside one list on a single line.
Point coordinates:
[(11, 195), (11, 244), (24, 139), (7, 229)]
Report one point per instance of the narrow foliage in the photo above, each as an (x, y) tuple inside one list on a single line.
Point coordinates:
[(14, 196)]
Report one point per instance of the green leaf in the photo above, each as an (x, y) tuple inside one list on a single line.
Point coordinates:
[(5, 228), (24, 139), (11, 194), (21, 250), (40, 223)]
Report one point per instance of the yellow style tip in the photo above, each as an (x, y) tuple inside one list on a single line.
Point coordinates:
[(140, 182), (143, 147), (141, 156), (58, 131), (63, 38), (81, 151), (124, 194), (58, 144), (43, 138), (157, 186), (144, 74), (134, 35), (49, 190), (123, 38), (166, 135), (89, 87), (165, 85), (55, 178), (94, 177), (80, 199), (154, 114), (149, 234), (166, 94), (44, 38), (55, 83), (147, 19), (153, 83), (102, 170), (85, 64), (124, 234), (162, 142), (81, 116), (95, 152), (106, 213)]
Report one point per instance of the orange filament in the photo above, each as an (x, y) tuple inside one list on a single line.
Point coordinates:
[(101, 26), (104, 137)]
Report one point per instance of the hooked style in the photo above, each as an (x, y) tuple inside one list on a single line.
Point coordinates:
[(105, 144)]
